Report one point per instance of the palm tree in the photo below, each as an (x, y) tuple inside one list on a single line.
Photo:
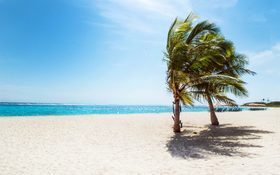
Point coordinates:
[(216, 90), (226, 71), (184, 59)]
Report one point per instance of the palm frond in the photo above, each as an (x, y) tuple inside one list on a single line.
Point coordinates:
[(200, 30), (223, 99), (185, 98)]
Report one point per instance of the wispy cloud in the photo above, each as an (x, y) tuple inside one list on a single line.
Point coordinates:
[(146, 20), (215, 4), (145, 16), (266, 61), (150, 16)]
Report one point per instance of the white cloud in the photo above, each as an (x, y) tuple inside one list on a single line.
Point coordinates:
[(161, 7), (265, 56), (266, 83), (147, 20), (216, 4), (266, 61), (149, 16), (145, 16)]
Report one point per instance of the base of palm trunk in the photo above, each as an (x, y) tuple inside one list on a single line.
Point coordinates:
[(176, 129), (214, 120), (215, 123)]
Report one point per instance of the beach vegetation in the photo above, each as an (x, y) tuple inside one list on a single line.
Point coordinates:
[(185, 64), (227, 70), (202, 65)]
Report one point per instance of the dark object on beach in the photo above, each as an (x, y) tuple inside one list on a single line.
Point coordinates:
[(181, 124), (257, 108), (227, 108)]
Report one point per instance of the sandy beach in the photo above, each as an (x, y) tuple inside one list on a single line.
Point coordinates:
[(245, 143)]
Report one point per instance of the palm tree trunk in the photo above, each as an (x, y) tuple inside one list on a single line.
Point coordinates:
[(176, 126), (213, 117)]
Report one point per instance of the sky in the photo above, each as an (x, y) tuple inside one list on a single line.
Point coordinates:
[(111, 51)]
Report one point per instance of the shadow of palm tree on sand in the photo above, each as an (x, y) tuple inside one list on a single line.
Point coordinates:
[(223, 140)]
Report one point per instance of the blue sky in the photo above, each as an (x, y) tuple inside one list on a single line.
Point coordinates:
[(111, 51)]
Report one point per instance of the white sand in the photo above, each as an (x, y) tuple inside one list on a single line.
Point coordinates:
[(245, 143)]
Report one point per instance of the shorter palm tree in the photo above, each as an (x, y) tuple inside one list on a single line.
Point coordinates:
[(215, 89), (224, 77)]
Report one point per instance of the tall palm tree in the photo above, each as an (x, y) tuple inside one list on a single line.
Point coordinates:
[(184, 59), (226, 71)]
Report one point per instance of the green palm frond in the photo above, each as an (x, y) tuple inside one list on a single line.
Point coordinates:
[(199, 96), (200, 29), (223, 99), (169, 36), (191, 17), (185, 98)]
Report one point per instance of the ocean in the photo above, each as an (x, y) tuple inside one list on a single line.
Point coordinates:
[(37, 109)]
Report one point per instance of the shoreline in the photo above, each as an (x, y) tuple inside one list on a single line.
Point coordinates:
[(164, 113)]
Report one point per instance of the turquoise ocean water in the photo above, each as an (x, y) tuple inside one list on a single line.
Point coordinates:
[(31, 109)]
